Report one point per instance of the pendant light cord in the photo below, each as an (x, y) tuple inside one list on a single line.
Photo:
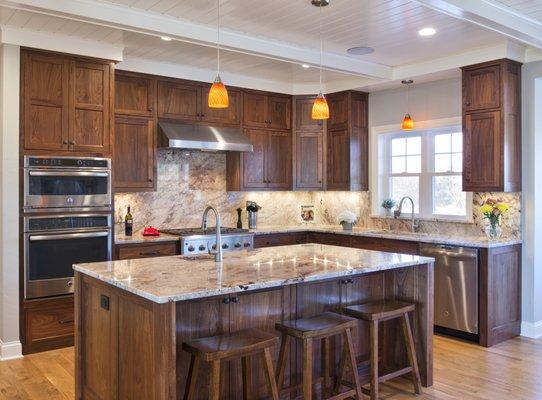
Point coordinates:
[(321, 45), (218, 39)]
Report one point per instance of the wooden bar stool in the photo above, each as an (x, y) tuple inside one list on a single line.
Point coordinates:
[(321, 327), (378, 312), (242, 344)]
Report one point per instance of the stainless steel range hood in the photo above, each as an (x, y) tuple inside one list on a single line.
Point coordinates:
[(201, 137)]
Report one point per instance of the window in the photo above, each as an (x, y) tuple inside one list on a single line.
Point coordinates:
[(426, 166)]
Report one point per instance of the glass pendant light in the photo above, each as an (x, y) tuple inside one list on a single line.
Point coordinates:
[(408, 122), (320, 108), (218, 94)]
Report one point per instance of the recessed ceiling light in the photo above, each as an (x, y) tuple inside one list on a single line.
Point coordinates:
[(165, 38), (305, 65), (428, 31), (360, 50)]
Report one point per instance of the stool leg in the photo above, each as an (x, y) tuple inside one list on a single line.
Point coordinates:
[(214, 386), (353, 365), (270, 374), (247, 377), (190, 390), (281, 364), (325, 364), (342, 370), (411, 350), (374, 359), (307, 369)]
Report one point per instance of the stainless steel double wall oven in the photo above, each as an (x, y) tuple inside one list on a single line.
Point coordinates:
[(67, 219)]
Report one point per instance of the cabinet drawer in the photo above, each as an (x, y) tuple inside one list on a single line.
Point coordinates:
[(146, 250), (48, 324), (279, 239), (330, 239), (389, 245)]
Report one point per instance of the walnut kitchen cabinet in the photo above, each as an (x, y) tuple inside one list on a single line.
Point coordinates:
[(187, 101), (135, 94), (65, 104), (347, 142), (492, 127), (267, 110), (134, 155)]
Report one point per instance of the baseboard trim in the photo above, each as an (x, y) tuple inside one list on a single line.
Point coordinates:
[(531, 330), (10, 350)]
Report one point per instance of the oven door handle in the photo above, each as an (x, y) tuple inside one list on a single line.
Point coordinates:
[(65, 236), (68, 173)]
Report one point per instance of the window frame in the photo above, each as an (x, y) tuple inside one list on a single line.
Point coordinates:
[(381, 167)]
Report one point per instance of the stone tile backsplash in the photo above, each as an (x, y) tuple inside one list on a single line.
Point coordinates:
[(190, 180)]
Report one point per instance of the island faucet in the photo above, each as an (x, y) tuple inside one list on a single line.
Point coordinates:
[(398, 210), (218, 251)]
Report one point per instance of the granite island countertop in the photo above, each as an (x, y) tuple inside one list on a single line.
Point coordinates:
[(474, 241), (178, 278)]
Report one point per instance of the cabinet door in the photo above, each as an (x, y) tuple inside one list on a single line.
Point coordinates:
[(178, 101), (134, 95), (202, 318), (229, 116), (482, 152), (338, 160), (338, 111), (134, 154), (254, 114), (258, 310), (90, 107), (45, 119), (279, 112), (303, 116), (279, 160), (309, 160), (482, 88), (254, 163)]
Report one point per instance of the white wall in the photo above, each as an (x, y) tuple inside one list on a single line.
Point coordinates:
[(427, 101), (532, 199), (10, 346)]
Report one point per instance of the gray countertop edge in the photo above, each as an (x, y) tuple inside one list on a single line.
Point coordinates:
[(423, 238), (253, 286)]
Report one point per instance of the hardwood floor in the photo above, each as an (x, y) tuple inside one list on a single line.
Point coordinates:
[(510, 370)]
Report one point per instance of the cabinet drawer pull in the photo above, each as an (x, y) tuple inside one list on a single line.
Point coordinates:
[(149, 253), (65, 321)]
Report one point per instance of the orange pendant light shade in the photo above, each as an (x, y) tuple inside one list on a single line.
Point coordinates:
[(218, 95), (320, 109), (408, 123)]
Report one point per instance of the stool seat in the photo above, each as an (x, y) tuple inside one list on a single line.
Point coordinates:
[(379, 310), (326, 324), (231, 345)]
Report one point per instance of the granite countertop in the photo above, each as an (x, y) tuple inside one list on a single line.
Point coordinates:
[(478, 241), (177, 278)]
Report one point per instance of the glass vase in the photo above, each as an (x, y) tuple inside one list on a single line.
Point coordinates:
[(493, 231)]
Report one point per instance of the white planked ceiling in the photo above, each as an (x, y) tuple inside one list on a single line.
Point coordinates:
[(530, 8), (389, 26)]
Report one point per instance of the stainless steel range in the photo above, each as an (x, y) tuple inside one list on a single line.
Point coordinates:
[(199, 241)]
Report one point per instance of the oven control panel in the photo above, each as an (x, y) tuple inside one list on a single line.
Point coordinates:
[(202, 243), (67, 162), (66, 222)]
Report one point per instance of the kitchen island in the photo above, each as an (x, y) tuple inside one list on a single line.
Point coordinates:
[(133, 315)]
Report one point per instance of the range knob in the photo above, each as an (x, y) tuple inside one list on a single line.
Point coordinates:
[(190, 248), (201, 247), (225, 246), (237, 245), (214, 246), (247, 244)]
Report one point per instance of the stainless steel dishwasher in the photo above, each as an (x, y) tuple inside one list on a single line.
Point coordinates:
[(456, 287)]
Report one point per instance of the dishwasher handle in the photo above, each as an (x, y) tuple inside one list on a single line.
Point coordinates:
[(447, 251)]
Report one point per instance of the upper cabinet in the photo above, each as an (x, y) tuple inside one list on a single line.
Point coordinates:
[(263, 110), (187, 101), (347, 142), (492, 127), (66, 104), (135, 94)]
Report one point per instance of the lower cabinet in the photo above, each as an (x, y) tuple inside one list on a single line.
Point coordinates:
[(47, 324), (279, 239), (146, 250), (389, 245)]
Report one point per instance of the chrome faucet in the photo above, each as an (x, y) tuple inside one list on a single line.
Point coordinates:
[(398, 210), (218, 251)]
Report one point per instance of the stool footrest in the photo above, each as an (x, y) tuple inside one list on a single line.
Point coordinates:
[(394, 374)]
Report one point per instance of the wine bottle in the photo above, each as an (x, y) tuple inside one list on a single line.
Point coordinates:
[(128, 223)]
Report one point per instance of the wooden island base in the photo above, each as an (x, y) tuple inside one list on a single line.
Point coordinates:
[(128, 347)]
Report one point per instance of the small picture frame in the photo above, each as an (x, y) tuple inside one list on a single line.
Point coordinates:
[(307, 214)]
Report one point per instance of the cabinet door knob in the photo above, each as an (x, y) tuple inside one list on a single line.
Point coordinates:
[(467, 103), (72, 141), (235, 300), (64, 142), (202, 115), (226, 300), (150, 180)]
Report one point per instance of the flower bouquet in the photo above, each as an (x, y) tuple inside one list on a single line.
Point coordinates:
[(493, 210), (347, 219)]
